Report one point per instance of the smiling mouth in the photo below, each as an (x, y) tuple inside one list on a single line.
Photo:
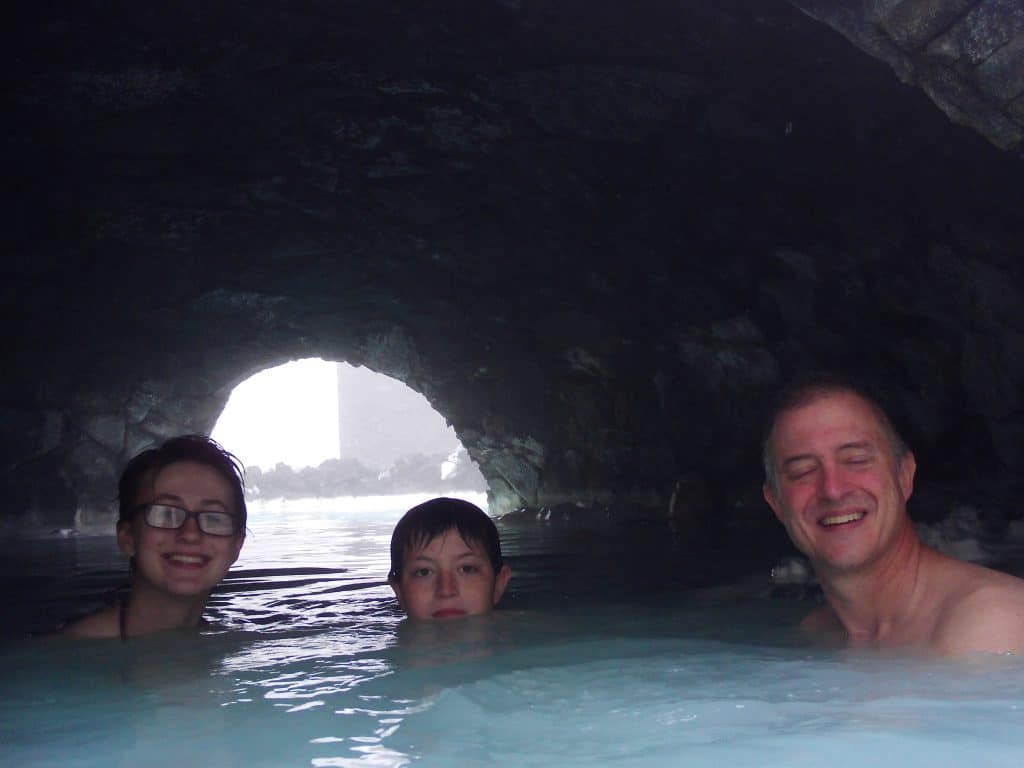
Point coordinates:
[(850, 517), (448, 613), (188, 561)]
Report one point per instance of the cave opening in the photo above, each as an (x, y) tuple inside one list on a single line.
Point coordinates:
[(318, 429)]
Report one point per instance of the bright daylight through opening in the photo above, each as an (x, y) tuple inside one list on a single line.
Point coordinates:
[(313, 428), (287, 414)]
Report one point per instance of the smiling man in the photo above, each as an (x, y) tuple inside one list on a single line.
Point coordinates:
[(838, 477)]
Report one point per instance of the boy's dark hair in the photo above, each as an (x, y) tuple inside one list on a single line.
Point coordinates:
[(808, 387), (423, 522), (198, 448)]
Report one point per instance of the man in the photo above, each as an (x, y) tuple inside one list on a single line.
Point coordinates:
[(838, 477)]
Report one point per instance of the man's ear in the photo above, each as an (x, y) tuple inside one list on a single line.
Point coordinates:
[(773, 502), (126, 538), (397, 589), (907, 468), (500, 582)]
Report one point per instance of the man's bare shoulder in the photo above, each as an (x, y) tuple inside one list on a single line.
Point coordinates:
[(983, 612), (100, 625)]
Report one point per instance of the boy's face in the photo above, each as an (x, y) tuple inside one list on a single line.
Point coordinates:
[(448, 578)]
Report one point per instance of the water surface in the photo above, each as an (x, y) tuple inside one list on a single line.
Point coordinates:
[(605, 654)]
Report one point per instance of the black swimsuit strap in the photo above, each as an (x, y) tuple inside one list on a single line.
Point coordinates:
[(122, 618)]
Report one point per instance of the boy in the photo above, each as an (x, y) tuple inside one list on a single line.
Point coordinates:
[(446, 561)]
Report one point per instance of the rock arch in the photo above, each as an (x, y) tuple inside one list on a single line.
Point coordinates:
[(594, 236)]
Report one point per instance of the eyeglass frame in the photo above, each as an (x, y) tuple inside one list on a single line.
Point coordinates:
[(189, 514)]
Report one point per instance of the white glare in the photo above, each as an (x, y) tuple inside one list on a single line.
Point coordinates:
[(285, 414)]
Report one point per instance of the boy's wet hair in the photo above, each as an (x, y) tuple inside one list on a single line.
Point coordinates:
[(421, 524), (197, 448)]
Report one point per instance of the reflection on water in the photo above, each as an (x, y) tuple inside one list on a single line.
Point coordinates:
[(604, 654), (322, 564)]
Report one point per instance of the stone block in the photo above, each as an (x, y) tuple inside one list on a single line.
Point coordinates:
[(145, 395), (990, 26), (93, 469), (1001, 75), (1016, 109), (106, 430), (967, 106), (137, 440), (876, 9), (914, 23)]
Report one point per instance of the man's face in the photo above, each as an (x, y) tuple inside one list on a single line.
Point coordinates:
[(841, 493), (448, 578)]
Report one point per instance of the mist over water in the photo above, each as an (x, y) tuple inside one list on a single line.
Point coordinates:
[(596, 657)]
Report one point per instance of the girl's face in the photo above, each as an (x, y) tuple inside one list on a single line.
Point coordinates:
[(183, 561)]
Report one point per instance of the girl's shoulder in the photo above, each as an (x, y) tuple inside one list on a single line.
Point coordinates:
[(103, 623)]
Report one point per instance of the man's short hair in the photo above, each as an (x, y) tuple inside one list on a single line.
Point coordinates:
[(197, 448), (421, 524), (808, 387)]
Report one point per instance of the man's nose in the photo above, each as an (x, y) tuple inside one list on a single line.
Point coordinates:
[(446, 583), (833, 481)]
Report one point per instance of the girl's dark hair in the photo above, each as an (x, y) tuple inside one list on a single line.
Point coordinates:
[(198, 448), (423, 522)]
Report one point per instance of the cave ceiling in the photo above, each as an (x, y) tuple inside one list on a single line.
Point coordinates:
[(596, 235)]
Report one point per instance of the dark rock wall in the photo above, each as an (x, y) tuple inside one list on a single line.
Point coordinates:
[(968, 55), (596, 235)]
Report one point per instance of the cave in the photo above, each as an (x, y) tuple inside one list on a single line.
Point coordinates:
[(597, 236)]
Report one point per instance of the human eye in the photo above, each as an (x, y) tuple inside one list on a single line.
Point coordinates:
[(861, 458), (469, 569), (163, 515), (217, 523), (420, 573), (800, 470)]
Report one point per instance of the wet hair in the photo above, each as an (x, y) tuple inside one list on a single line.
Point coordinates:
[(421, 524), (197, 448), (811, 386)]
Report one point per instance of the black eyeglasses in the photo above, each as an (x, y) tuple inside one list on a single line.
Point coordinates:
[(168, 517)]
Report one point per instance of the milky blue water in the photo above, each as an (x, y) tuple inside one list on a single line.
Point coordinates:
[(598, 658)]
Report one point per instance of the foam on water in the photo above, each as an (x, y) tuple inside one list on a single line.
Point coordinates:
[(317, 669)]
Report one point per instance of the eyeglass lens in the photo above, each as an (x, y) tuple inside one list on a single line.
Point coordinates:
[(166, 516)]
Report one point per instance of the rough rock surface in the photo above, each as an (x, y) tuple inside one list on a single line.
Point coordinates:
[(968, 55), (595, 235)]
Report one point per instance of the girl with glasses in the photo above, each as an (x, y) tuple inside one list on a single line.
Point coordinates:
[(181, 521)]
